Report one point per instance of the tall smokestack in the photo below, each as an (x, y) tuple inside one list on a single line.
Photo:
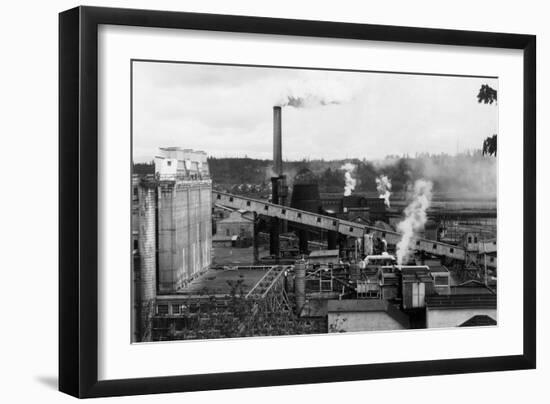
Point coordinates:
[(277, 142)]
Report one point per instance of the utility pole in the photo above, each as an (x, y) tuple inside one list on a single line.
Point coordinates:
[(485, 259)]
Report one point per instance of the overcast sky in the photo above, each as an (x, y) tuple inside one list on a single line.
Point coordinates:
[(227, 112)]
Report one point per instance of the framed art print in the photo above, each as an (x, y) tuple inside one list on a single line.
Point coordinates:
[(251, 201)]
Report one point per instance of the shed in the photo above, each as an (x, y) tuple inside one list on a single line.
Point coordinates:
[(238, 223)]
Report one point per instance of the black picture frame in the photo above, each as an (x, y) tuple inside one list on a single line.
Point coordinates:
[(78, 200)]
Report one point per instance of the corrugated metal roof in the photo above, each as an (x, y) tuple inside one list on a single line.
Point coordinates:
[(438, 268), (479, 321), (416, 274), (356, 305), (471, 290), (454, 301)]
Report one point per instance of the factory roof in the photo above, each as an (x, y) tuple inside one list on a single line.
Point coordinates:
[(323, 253), (383, 225), (478, 321), (356, 305), (415, 274), (360, 219), (471, 290), (217, 205), (383, 256), (455, 301), (472, 286), (236, 217), (438, 269)]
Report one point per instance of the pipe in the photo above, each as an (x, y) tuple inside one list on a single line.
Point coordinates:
[(275, 226), (255, 241), (300, 285), (303, 238)]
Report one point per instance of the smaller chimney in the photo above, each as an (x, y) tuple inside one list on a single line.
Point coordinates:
[(277, 142)]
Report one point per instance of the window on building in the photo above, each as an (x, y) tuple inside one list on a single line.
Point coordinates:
[(469, 239), (227, 233), (162, 309), (441, 281), (136, 245), (169, 163), (475, 239), (176, 309)]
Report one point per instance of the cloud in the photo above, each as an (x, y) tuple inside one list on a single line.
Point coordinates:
[(228, 109)]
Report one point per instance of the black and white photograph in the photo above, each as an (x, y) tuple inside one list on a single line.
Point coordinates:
[(277, 202), (271, 201)]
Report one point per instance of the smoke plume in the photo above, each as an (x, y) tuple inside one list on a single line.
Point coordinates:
[(308, 100), (383, 186), (349, 180), (415, 218)]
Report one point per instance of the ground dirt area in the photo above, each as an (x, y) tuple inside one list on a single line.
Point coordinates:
[(235, 256), (222, 281)]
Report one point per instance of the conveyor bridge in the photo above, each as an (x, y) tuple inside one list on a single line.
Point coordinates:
[(345, 227)]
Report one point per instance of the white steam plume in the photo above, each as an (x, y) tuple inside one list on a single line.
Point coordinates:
[(350, 181), (415, 218), (383, 186)]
